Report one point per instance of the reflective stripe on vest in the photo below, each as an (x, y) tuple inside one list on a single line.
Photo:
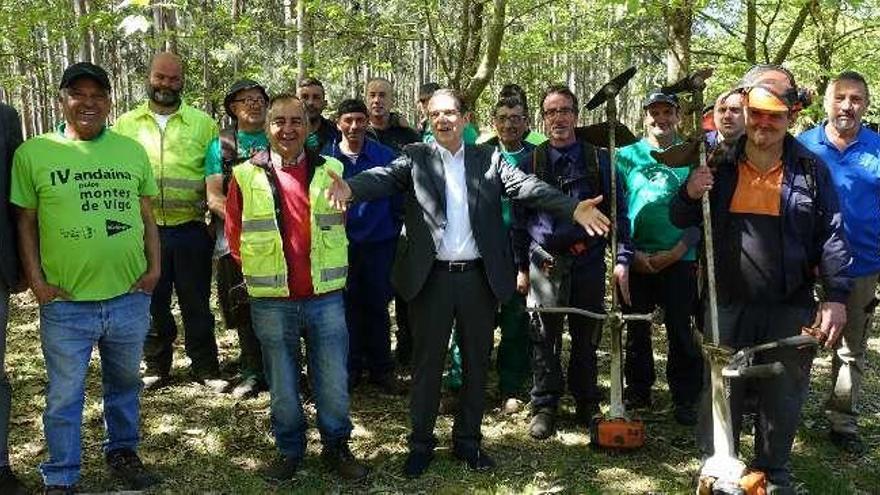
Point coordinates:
[(262, 254), (328, 219)]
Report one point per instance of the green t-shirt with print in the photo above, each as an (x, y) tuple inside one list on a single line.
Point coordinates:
[(248, 144), (650, 188), (87, 196)]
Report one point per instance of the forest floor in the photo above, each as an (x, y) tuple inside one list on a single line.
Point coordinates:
[(201, 442)]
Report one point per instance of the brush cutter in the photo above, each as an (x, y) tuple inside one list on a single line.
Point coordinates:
[(616, 430)]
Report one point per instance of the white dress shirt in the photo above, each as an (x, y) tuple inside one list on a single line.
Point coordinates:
[(458, 242)]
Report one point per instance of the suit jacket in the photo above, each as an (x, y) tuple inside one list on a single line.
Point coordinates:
[(10, 138), (418, 174)]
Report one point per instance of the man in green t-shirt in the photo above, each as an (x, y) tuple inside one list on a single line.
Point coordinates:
[(90, 252), (246, 104), (663, 270), (510, 123)]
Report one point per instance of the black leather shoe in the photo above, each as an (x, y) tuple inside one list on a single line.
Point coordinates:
[(417, 463), (125, 465), (476, 459), (341, 461), (850, 443), (543, 423), (585, 411), (283, 468), (685, 414)]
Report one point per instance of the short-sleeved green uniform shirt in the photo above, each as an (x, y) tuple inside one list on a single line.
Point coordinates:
[(87, 196), (248, 144), (651, 187)]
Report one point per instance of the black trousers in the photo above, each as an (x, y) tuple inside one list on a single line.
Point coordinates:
[(236, 309), (186, 269), (779, 398), (466, 299), (675, 290)]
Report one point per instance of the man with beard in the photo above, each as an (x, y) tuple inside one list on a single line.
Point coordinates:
[(372, 228), (567, 264), (852, 153), (387, 126), (246, 104), (664, 266), (777, 228), (311, 92), (176, 136)]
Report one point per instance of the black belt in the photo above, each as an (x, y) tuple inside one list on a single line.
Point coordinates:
[(458, 266)]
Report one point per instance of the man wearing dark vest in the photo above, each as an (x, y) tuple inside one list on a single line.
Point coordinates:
[(568, 265)]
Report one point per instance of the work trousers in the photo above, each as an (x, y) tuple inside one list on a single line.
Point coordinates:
[(779, 398), (367, 294), (675, 290), (848, 363), (513, 351), (235, 306), (572, 284), (186, 268), (466, 299)]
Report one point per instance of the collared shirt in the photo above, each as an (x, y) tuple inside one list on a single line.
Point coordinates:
[(855, 172), (293, 189), (458, 243)]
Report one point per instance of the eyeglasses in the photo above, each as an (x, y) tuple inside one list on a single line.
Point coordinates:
[(436, 114), (561, 112), (513, 119), (250, 101)]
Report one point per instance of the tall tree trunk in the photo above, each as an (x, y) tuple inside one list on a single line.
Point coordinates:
[(24, 98), (300, 39)]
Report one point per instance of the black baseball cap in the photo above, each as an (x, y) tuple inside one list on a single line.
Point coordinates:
[(239, 86), (84, 69), (658, 96)]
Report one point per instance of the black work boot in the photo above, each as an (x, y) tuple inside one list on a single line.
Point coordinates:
[(125, 465), (282, 469), (341, 461), (543, 423)]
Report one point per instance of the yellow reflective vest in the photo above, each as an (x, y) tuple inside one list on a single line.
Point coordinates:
[(177, 155), (262, 255)]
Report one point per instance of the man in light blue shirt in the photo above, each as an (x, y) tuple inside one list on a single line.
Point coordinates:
[(852, 153)]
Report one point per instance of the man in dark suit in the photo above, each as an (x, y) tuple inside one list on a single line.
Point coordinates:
[(456, 262), (10, 138)]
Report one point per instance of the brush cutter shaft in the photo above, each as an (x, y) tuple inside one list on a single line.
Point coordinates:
[(588, 313), (756, 371)]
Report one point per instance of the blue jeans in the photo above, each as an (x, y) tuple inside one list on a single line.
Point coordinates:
[(5, 389), (278, 324), (69, 330)]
